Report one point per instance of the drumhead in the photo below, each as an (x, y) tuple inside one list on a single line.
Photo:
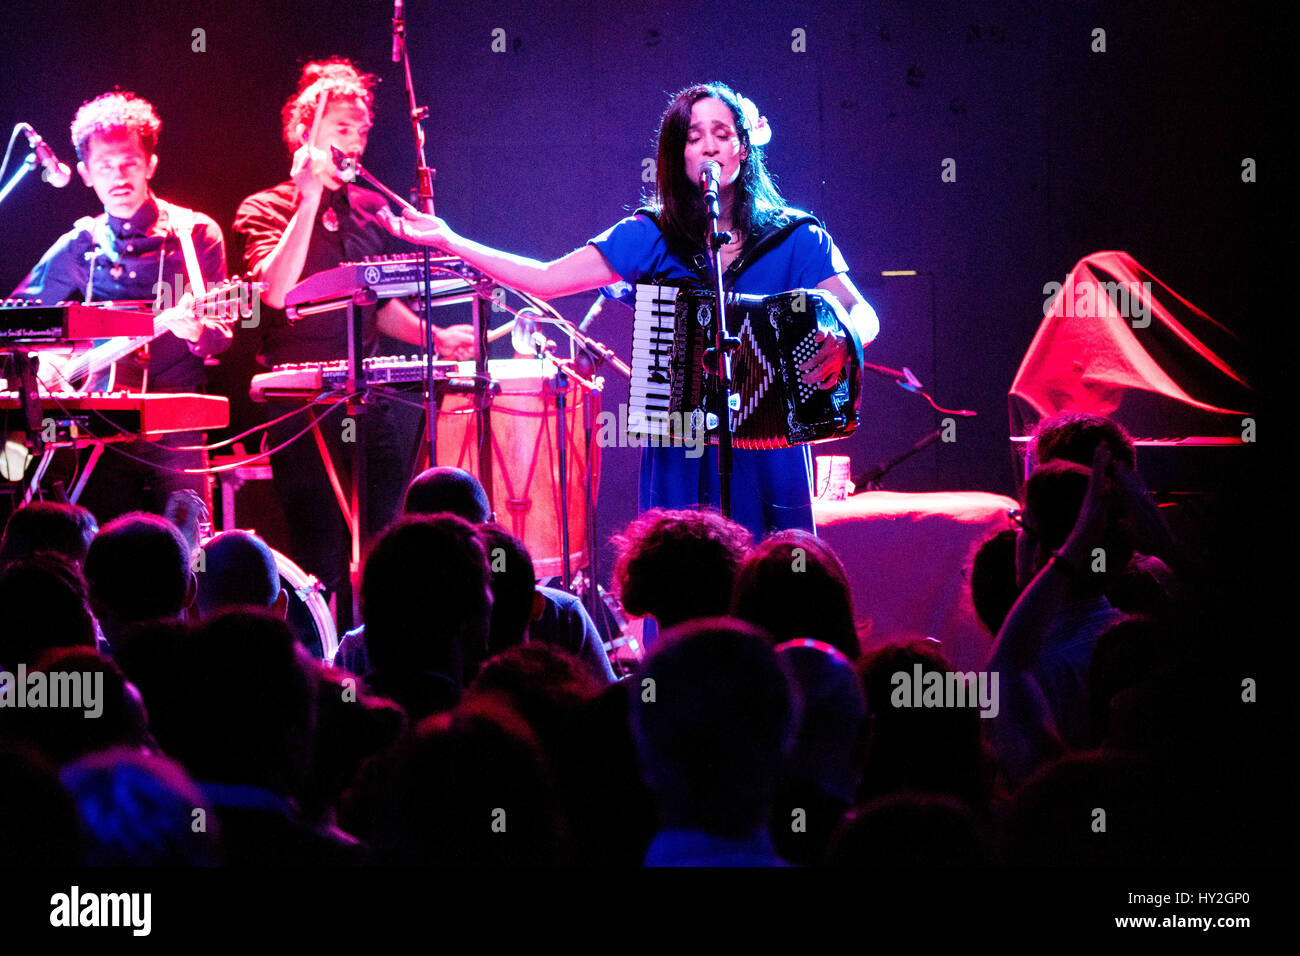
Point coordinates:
[(519, 376), (308, 615)]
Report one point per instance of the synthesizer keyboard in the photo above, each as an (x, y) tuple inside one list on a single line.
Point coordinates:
[(22, 322), (123, 416), (304, 380), (387, 277)]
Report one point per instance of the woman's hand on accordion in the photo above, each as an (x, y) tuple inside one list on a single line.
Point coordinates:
[(824, 366)]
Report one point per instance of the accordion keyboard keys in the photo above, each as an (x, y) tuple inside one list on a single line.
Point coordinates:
[(650, 391)]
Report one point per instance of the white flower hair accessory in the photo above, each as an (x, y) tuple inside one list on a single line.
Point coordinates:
[(760, 134)]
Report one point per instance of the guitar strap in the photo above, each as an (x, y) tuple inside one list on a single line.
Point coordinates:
[(182, 221)]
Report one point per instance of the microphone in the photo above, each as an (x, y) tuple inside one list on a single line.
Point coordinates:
[(55, 173), (397, 31), (524, 329), (346, 165), (591, 313), (710, 172)]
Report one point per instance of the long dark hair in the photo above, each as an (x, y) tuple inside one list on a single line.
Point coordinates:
[(676, 199)]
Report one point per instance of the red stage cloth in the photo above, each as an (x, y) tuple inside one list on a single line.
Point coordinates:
[(1149, 368), (907, 557)]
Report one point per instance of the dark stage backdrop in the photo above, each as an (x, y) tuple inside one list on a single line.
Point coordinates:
[(1059, 151)]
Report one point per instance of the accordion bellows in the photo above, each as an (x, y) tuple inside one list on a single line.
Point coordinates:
[(770, 406)]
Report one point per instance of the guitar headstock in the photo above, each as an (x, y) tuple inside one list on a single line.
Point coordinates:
[(224, 304)]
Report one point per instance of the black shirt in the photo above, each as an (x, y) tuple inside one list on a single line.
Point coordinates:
[(130, 257), (262, 219)]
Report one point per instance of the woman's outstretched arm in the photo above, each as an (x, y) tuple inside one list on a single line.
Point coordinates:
[(579, 271)]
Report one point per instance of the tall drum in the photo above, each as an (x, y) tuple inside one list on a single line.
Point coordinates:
[(526, 480)]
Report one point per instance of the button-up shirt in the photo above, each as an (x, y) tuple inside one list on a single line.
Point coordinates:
[(262, 219), (107, 259)]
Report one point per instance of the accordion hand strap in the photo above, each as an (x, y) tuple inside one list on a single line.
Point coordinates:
[(855, 350), (754, 249)]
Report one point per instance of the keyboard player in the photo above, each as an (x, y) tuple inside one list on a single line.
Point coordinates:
[(309, 223), (125, 253)]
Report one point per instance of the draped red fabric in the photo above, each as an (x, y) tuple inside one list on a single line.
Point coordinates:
[(1117, 341)]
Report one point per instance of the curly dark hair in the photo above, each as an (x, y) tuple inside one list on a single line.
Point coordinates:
[(337, 79), (794, 585), (1074, 436), (110, 112), (679, 565)]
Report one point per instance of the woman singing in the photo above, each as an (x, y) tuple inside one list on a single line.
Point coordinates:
[(773, 249)]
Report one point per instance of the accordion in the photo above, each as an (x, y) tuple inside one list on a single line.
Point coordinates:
[(770, 406)]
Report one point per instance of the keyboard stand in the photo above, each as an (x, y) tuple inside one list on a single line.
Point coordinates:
[(96, 447)]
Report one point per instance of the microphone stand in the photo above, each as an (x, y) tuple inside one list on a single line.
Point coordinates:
[(584, 352), (580, 341), (905, 379), (28, 164), (870, 479), (586, 356), (723, 345), (544, 349), (423, 194)]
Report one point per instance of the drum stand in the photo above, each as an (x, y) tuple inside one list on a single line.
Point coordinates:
[(561, 434), (544, 348), (527, 337)]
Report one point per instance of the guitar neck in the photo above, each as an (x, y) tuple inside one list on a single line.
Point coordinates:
[(114, 350), (223, 297)]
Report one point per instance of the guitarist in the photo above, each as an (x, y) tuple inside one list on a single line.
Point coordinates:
[(138, 245)]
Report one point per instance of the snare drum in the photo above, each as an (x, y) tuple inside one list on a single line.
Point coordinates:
[(308, 614)]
